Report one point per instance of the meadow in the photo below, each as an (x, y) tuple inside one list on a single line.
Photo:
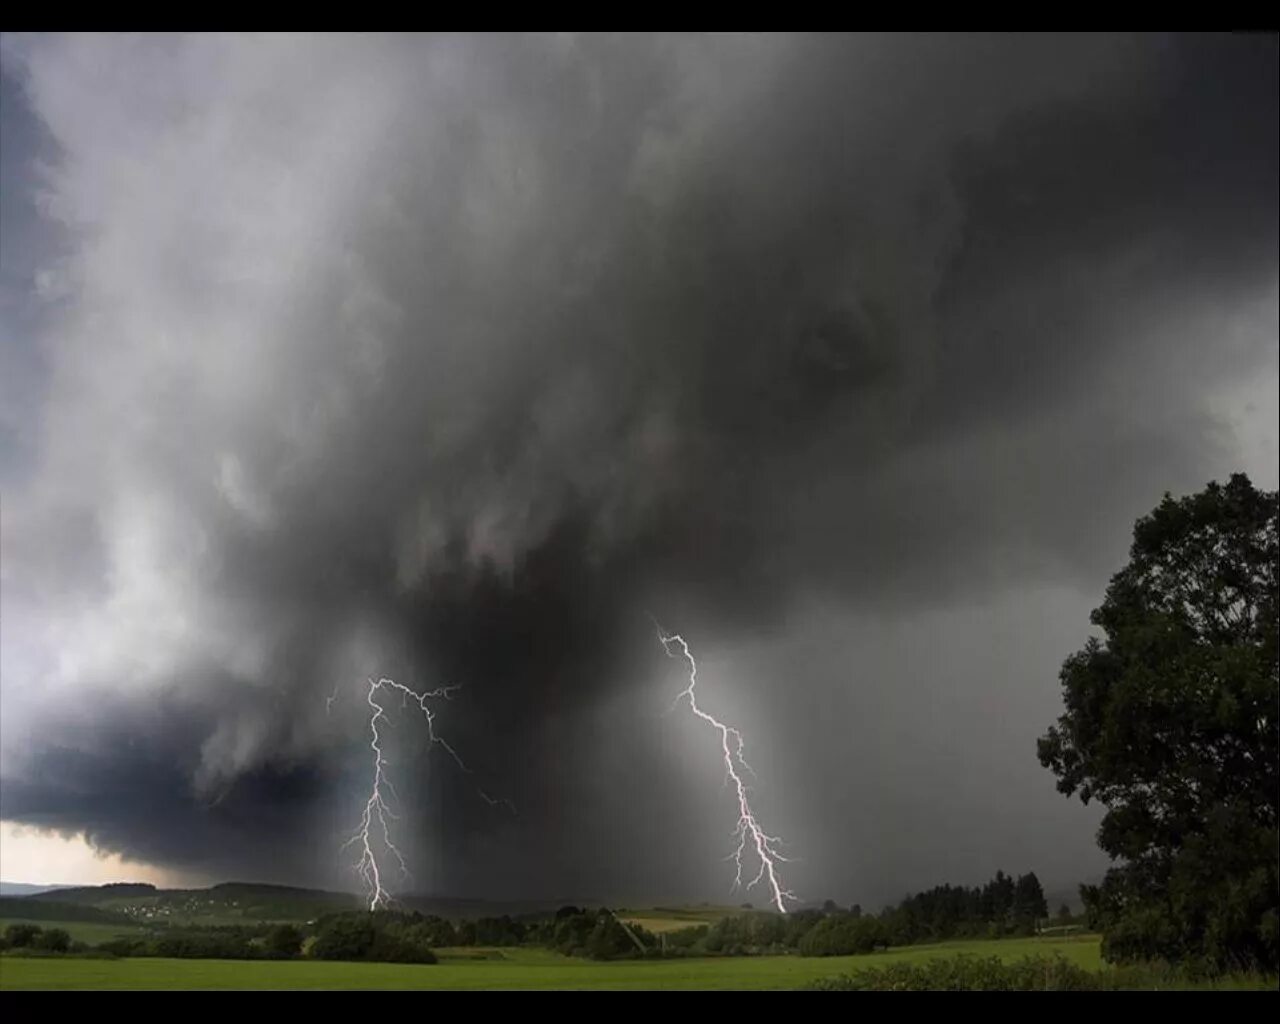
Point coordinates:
[(670, 919), (520, 968)]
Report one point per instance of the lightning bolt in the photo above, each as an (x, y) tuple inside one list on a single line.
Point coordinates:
[(748, 830), (374, 830)]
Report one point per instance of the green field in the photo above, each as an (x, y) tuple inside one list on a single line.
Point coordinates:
[(670, 919), (519, 969)]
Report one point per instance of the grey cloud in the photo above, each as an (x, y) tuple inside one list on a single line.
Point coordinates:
[(454, 358)]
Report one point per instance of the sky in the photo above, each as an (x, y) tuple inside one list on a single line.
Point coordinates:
[(463, 359)]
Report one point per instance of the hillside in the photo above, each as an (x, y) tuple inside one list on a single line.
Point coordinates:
[(226, 903), (31, 908)]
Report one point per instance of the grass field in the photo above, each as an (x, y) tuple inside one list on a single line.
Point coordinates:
[(519, 969), (670, 919)]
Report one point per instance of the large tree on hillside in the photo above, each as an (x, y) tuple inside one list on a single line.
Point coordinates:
[(1171, 723)]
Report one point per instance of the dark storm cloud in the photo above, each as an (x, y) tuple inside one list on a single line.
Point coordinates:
[(28, 262), (456, 358)]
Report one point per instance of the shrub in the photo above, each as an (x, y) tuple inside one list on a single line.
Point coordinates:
[(841, 935), (55, 940), (21, 934), (968, 974)]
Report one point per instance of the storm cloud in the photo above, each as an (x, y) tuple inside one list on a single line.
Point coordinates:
[(457, 358)]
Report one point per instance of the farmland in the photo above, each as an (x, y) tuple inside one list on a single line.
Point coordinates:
[(521, 968)]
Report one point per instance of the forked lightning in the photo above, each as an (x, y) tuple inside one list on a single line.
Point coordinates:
[(748, 830)]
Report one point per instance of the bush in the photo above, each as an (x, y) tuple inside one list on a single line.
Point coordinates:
[(968, 974), (685, 939), (841, 935), (344, 937), (55, 940), (758, 932), (21, 935), (1035, 974)]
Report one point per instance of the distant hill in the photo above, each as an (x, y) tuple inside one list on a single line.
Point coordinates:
[(259, 901), (226, 903), (96, 894), (236, 902), (27, 889), (261, 890)]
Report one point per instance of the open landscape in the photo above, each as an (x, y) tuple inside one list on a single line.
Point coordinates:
[(481, 968), (114, 932), (639, 511)]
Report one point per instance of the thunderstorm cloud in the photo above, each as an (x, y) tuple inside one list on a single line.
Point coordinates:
[(455, 359)]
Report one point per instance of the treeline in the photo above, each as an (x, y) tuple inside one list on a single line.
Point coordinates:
[(439, 931), (594, 934), (382, 936), (598, 935), (25, 936), (573, 931), (273, 942), (215, 942), (832, 932), (355, 936), (1004, 906)]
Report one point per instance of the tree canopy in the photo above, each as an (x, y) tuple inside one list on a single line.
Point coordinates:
[(1171, 724)]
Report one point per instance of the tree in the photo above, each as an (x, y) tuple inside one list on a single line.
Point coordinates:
[(283, 942), (1171, 724), (829, 907), (1064, 914), (1029, 904), (998, 900)]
